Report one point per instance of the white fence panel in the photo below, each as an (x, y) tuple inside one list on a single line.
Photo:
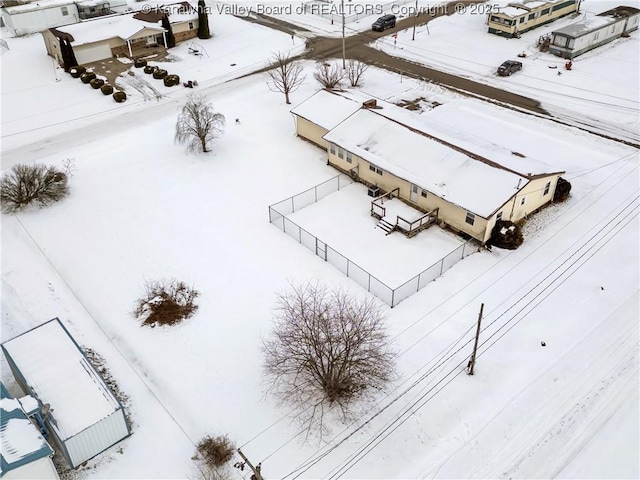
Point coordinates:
[(405, 291), (337, 260)]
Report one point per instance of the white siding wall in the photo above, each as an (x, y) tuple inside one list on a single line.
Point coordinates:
[(599, 36), (41, 469), (97, 438), (39, 20)]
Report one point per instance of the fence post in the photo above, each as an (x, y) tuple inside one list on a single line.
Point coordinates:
[(441, 265), (299, 235), (463, 246), (315, 191), (393, 295), (369, 285), (293, 205), (348, 262)]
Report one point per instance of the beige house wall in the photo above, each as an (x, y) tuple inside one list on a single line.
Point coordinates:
[(529, 24), (311, 132), (533, 196), (449, 213)]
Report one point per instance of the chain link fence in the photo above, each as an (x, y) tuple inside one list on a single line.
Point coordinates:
[(391, 296)]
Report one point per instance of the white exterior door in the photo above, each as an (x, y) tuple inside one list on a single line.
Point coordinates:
[(152, 40), (414, 194)]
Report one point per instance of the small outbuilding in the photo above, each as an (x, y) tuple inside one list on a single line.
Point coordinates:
[(37, 16), (24, 452), (84, 418), (592, 32)]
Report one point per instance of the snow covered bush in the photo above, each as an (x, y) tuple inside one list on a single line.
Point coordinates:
[(106, 89), (214, 451), (171, 80), (26, 184), (119, 96), (327, 349), (97, 83), (159, 74), (506, 234), (139, 63), (75, 72), (149, 69), (166, 302), (87, 77)]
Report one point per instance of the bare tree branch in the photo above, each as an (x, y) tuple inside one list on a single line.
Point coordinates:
[(285, 76), (329, 75), (327, 349), (198, 124), (355, 70)]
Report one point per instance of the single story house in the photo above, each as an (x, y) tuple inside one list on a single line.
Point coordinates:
[(24, 452), (102, 38), (592, 32), (85, 418), (183, 18), (470, 183), (40, 15), (519, 17)]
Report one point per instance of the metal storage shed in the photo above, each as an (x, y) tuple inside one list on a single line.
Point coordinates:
[(85, 418), (24, 453)]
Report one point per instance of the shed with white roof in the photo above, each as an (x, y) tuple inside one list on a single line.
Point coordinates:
[(24, 452), (85, 417)]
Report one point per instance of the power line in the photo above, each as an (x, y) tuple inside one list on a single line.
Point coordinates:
[(363, 451)]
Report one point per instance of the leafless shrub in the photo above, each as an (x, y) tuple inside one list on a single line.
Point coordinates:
[(355, 70), (285, 76), (26, 184), (198, 124), (327, 349), (214, 452), (329, 75), (166, 302), (69, 166)]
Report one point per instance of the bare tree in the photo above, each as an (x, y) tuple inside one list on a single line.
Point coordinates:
[(355, 70), (198, 124), (327, 349), (27, 184), (285, 76), (329, 75)]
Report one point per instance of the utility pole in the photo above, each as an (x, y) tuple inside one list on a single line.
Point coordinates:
[(256, 470), (344, 61), (416, 21), (472, 362)]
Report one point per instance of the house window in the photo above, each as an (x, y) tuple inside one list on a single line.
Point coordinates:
[(423, 193), (190, 25), (332, 148), (65, 10), (522, 200), (532, 16), (547, 187), (499, 216), (613, 27), (373, 168), (340, 153), (471, 218), (349, 157), (596, 35), (545, 11), (521, 19)]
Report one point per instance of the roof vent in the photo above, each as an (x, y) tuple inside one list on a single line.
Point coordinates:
[(370, 103)]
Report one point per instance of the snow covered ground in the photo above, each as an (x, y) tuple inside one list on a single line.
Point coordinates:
[(142, 209), (601, 89)]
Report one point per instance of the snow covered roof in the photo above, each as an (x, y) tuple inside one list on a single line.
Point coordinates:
[(122, 26), (513, 11), (326, 109), (440, 169), (588, 25), (98, 3), (20, 441), (35, 6), (478, 128), (59, 374)]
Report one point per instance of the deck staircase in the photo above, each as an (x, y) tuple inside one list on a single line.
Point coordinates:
[(386, 226)]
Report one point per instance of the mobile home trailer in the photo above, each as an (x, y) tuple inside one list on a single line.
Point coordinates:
[(590, 33), (519, 17)]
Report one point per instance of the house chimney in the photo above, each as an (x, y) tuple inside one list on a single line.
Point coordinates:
[(370, 103)]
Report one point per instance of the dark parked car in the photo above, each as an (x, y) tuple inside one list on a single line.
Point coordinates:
[(509, 67), (384, 22)]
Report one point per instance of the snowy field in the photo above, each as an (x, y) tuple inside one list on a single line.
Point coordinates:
[(142, 209), (603, 85), (343, 222)]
